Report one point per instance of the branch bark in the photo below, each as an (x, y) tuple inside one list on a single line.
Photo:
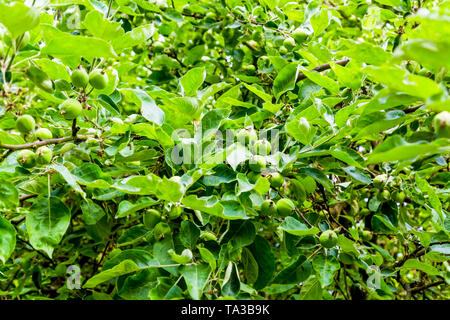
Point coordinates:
[(323, 67), (42, 142)]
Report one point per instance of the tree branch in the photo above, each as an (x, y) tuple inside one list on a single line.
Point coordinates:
[(42, 142), (323, 67), (424, 287)]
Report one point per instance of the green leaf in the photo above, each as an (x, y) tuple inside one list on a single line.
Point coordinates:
[(189, 234), (326, 268), (311, 289), (7, 239), (196, 277), (134, 37), (79, 46), (418, 265), (9, 196), (192, 80), (285, 80), (322, 81), (47, 223), (366, 52), (18, 18), (358, 175), (400, 80), (101, 28), (231, 283), (295, 227), (263, 255), (70, 178), (296, 272), (127, 208), (395, 148), (55, 70), (92, 212)]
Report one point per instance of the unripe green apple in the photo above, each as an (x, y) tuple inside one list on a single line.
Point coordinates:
[(441, 124), (379, 180), (98, 79), (328, 239), (268, 208), (26, 158), (71, 109), (262, 147), (385, 194), (257, 163), (175, 212), (366, 235), (161, 230), (400, 196), (289, 43), (300, 34), (283, 50), (285, 207), (247, 136), (25, 124), (151, 218), (157, 47), (79, 78), (276, 180), (43, 134), (44, 155)]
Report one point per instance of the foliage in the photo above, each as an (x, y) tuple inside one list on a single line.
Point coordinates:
[(224, 149)]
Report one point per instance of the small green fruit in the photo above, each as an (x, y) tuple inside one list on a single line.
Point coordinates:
[(300, 34), (257, 163), (268, 208), (285, 207), (441, 124), (366, 235), (262, 147), (289, 43), (151, 218), (98, 79), (385, 194), (175, 212), (71, 109), (43, 134), (25, 124), (26, 158), (400, 197), (158, 47), (161, 230), (79, 78), (247, 136), (379, 180), (328, 239), (283, 50), (276, 180), (44, 155)]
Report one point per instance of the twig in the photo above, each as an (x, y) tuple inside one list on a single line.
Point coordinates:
[(323, 67), (424, 287), (298, 211), (42, 142)]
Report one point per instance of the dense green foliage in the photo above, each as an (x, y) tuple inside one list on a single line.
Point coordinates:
[(224, 149)]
